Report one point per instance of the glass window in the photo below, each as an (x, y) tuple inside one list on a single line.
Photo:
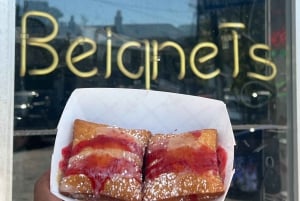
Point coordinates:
[(231, 50)]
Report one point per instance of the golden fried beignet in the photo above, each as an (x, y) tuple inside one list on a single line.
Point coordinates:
[(182, 167), (103, 162)]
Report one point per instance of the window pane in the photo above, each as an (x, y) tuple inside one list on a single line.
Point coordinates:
[(230, 50)]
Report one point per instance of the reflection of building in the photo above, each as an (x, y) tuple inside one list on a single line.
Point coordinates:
[(139, 31)]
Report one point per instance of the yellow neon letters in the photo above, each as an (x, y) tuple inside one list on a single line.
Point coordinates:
[(235, 38), (180, 53), (150, 50), (263, 61), (120, 60), (203, 60), (70, 60), (38, 42), (108, 53)]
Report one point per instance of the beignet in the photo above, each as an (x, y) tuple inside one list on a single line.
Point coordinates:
[(182, 167), (103, 162)]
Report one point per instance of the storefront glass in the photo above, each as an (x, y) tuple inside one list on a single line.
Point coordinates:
[(231, 50)]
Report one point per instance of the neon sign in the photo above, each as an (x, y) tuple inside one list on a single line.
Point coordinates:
[(152, 48)]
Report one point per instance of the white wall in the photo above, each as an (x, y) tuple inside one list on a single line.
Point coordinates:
[(7, 13)]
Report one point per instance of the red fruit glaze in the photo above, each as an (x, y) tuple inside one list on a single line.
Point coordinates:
[(222, 160), (99, 168), (105, 141), (180, 160), (66, 154)]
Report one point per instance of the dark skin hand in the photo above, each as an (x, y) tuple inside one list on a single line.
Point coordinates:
[(42, 189)]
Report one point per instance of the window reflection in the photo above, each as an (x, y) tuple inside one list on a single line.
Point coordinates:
[(184, 23)]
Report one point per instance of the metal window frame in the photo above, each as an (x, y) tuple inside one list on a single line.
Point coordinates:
[(295, 29)]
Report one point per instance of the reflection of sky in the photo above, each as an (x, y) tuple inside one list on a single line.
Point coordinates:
[(176, 12)]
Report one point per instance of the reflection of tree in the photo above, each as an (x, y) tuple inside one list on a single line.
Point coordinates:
[(55, 12), (252, 14), (73, 28), (84, 20)]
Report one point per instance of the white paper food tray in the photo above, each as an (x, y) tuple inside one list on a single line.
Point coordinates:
[(159, 112)]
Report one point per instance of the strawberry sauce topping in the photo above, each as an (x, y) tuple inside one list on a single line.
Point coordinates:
[(180, 160), (106, 141), (100, 168), (222, 160)]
